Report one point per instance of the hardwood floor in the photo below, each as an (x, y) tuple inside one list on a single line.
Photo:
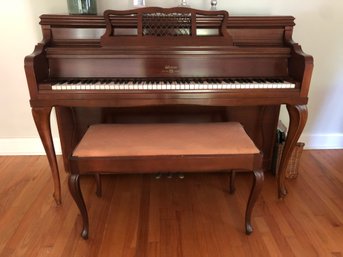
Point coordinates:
[(141, 216)]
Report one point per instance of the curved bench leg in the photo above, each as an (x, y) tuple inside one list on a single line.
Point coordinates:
[(74, 188), (254, 193), (232, 187), (98, 185)]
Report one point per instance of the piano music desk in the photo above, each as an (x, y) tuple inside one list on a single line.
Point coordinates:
[(166, 147)]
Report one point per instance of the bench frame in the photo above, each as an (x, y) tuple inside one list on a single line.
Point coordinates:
[(165, 164)]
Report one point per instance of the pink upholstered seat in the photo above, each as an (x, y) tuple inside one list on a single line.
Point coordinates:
[(105, 140)]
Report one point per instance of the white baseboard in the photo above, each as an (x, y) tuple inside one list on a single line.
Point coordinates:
[(33, 146), (25, 146), (322, 141)]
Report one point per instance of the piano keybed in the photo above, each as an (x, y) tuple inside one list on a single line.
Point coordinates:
[(179, 84)]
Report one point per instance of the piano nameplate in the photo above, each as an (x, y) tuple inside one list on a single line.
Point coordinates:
[(171, 69)]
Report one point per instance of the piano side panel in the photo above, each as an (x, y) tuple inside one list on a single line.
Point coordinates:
[(301, 67), (36, 69)]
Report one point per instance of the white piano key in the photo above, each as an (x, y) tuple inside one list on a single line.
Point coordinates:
[(209, 84)]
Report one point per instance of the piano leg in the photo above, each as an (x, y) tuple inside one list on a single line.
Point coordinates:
[(298, 117), (41, 116)]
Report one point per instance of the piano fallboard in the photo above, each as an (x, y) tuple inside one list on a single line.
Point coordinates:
[(171, 63)]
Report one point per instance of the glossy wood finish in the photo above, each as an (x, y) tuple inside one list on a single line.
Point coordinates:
[(259, 122), (41, 117), (75, 191), (254, 193), (298, 117), (139, 215), (182, 29), (262, 47)]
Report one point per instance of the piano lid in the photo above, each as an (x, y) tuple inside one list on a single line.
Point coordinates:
[(165, 27)]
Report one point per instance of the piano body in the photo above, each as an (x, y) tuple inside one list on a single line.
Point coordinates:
[(168, 65)]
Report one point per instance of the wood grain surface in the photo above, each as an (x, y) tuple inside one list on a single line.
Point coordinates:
[(196, 216)]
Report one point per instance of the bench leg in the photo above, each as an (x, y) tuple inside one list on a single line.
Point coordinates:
[(232, 187), (74, 188), (98, 185), (254, 193)]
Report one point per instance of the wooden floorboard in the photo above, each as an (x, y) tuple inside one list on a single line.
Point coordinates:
[(196, 216)]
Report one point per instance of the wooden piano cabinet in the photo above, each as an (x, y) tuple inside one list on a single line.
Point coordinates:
[(248, 47)]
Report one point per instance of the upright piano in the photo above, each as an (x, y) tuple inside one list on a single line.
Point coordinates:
[(168, 65)]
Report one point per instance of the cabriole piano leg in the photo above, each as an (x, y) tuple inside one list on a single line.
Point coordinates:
[(75, 191), (254, 193), (41, 116), (298, 117)]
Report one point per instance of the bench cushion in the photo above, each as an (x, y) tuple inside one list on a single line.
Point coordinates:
[(107, 140)]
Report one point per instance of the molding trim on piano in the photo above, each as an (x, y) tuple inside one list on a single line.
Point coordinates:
[(25, 146), (33, 146)]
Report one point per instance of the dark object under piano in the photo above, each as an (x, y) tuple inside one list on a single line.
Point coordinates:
[(292, 169)]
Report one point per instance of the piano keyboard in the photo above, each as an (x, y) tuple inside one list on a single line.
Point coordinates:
[(182, 84)]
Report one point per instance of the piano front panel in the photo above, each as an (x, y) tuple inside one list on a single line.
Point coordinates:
[(259, 121)]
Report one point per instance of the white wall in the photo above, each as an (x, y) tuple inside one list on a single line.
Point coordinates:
[(318, 30)]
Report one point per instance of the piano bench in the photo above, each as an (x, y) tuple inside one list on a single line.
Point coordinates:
[(164, 148)]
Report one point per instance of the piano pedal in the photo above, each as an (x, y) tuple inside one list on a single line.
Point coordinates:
[(181, 175), (158, 175), (169, 175)]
